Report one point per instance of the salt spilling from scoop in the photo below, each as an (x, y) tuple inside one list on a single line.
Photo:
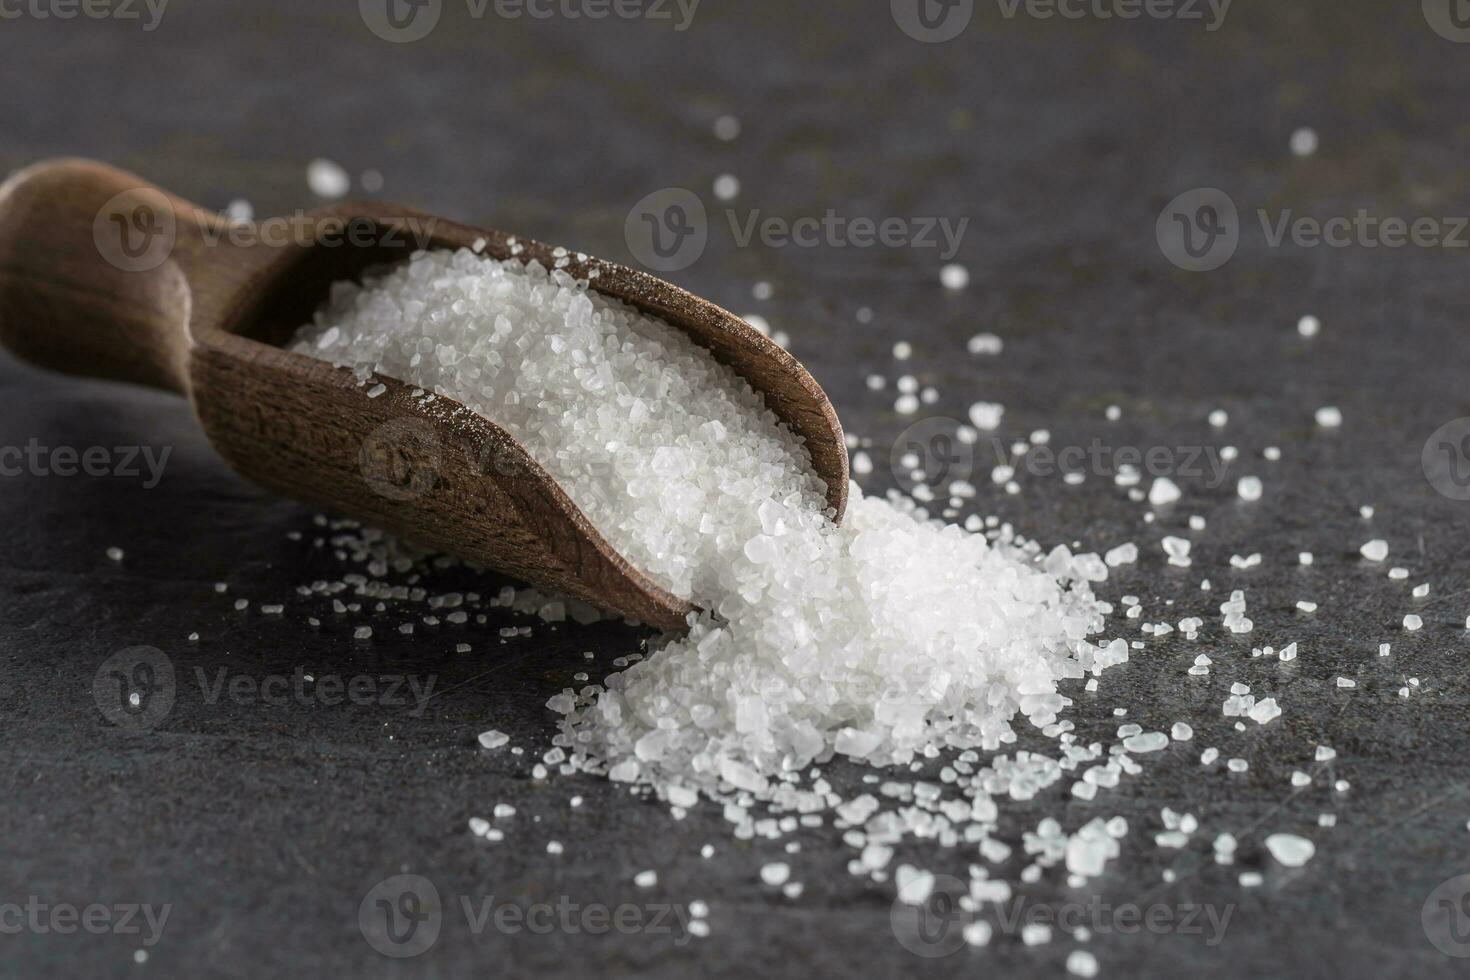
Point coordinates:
[(879, 640)]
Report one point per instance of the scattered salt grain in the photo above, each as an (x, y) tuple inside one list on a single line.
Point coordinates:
[(1081, 963), (775, 873), (1290, 850), (1375, 550), (954, 276), (1164, 491), (327, 179), (493, 739), (727, 187), (1303, 141)]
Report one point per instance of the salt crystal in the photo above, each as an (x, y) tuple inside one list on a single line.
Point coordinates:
[(327, 179), (954, 276), (493, 739), (1290, 850), (1375, 550), (1081, 963), (1164, 491), (1303, 142)]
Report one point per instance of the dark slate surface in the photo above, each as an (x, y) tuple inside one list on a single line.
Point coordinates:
[(264, 825)]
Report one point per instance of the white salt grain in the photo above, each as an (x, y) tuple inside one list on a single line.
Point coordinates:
[(1164, 491), (1290, 850), (775, 873), (327, 179), (1304, 142), (1081, 963), (893, 633), (1375, 550), (493, 739)]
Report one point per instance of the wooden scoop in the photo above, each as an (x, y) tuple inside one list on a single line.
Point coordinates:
[(102, 274)]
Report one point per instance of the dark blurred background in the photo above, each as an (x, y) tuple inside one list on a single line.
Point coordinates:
[(1063, 143)]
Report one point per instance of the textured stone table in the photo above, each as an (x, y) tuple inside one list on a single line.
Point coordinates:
[(262, 823)]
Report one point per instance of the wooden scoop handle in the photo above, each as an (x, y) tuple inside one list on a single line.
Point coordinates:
[(95, 272)]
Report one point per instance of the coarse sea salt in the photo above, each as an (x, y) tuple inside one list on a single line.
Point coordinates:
[(894, 639), (881, 640)]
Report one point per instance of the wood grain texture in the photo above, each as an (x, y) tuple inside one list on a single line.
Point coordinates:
[(204, 313)]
